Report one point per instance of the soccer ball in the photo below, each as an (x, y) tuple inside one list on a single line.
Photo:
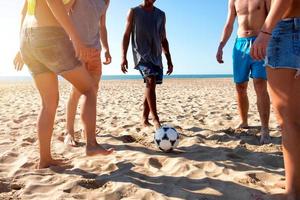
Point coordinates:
[(166, 138)]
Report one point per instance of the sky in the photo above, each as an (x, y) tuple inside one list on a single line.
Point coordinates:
[(194, 29)]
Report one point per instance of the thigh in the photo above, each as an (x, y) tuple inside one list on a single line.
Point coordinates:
[(47, 85), (285, 91), (79, 78), (241, 67)]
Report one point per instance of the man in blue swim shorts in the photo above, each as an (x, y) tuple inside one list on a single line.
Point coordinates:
[(146, 25), (251, 16)]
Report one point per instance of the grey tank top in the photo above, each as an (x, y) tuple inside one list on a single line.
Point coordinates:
[(148, 31)]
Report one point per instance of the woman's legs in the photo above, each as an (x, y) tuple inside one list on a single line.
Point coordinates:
[(285, 93), (83, 82), (49, 96)]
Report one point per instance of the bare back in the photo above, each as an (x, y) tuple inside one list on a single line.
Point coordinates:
[(294, 10), (251, 15)]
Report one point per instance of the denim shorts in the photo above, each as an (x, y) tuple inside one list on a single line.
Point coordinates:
[(243, 65), (284, 47), (47, 49), (148, 69)]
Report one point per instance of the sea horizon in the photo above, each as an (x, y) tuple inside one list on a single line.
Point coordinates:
[(130, 77)]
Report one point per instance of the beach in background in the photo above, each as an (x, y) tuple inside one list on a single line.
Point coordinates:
[(213, 160)]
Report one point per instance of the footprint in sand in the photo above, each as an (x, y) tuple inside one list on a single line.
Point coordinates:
[(127, 139), (154, 162)]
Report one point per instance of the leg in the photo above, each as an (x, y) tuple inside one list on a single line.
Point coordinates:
[(83, 82), (71, 112), (285, 93), (263, 105), (146, 113), (45, 123), (243, 104), (151, 99)]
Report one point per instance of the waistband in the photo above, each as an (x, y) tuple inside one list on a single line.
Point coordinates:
[(246, 39), (45, 30), (290, 22)]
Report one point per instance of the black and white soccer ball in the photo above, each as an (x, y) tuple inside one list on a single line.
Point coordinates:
[(166, 138)]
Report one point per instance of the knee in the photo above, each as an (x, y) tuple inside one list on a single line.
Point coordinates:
[(150, 82), (50, 105), (260, 87), (241, 89)]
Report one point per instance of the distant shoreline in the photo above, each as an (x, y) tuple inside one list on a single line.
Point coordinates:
[(128, 77)]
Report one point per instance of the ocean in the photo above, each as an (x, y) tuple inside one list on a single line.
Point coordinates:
[(130, 77)]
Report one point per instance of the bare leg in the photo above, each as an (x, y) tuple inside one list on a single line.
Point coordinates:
[(285, 93), (71, 113), (243, 104), (45, 123), (263, 105), (80, 79), (146, 113), (151, 99)]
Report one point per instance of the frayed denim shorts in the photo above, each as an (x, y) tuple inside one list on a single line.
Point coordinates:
[(284, 47), (48, 49)]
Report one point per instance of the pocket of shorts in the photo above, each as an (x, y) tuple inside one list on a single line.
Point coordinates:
[(48, 55)]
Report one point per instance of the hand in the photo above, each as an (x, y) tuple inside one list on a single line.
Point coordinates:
[(170, 69), (107, 58), (219, 55), (259, 47), (82, 52), (124, 65), (18, 62)]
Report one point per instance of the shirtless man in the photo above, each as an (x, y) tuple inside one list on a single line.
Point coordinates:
[(251, 15), (281, 34)]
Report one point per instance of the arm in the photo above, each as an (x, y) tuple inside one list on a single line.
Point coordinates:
[(126, 39), (60, 13), (18, 61), (278, 8), (268, 5), (103, 37), (166, 50), (228, 28)]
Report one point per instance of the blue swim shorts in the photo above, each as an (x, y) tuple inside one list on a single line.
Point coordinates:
[(149, 69), (48, 49), (243, 65), (284, 47)]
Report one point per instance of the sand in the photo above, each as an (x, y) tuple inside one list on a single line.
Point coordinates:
[(213, 161)]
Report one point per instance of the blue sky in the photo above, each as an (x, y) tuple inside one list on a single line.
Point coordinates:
[(193, 29)]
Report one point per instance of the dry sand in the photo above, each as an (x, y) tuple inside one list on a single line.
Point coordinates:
[(213, 161)]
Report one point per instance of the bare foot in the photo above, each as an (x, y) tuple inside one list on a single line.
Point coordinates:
[(146, 123), (97, 149), (52, 162), (264, 136), (157, 124), (70, 140), (242, 126)]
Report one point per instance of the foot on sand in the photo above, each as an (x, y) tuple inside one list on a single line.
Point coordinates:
[(264, 136), (70, 140), (97, 149), (52, 163), (242, 125), (146, 123), (157, 124)]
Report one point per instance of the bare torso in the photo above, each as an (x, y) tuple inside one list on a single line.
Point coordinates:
[(43, 15), (251, 15), (294, 10)]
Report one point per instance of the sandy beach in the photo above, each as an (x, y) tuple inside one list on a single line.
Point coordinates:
[(213, 160)]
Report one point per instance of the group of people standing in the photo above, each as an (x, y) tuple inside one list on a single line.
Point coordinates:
[(65, 37)]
